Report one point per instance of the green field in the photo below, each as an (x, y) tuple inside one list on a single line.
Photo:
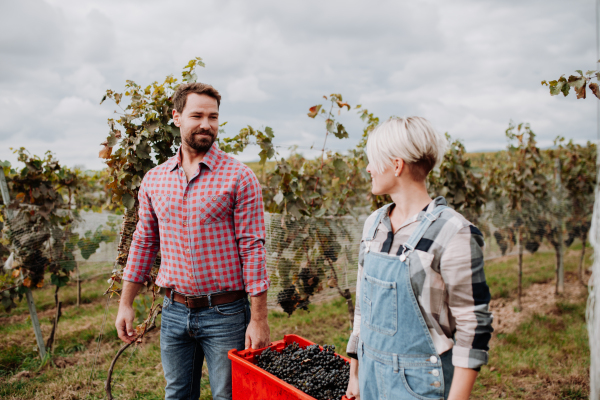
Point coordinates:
[(545, 357)]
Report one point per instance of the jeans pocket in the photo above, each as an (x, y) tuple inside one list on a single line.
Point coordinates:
[(166, 303), (382, 305), (422, 384), (233, 308)]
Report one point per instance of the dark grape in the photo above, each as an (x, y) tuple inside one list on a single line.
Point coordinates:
[(321, 374)]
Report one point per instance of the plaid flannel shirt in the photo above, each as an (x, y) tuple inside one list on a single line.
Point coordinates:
[(210, 230), (447, 279)]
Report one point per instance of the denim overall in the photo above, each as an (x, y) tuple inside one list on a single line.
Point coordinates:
[(397, 358)]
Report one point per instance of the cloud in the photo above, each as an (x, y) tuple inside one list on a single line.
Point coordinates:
[(246, 90), (470, 66)]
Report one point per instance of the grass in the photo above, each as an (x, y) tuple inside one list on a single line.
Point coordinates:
[(501, 273), (546, 357)]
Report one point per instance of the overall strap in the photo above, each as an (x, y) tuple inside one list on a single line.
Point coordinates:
[(426, 222), (373, 229)]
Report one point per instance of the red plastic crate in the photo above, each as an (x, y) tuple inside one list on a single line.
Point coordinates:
[(253, 383)]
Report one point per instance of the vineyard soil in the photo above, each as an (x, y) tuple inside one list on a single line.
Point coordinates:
[(540, 353)]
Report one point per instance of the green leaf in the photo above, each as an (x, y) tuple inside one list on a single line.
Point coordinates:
[(112, 140), (58, 280), (143, 149), (341, 132), (329, 123), (320, 212), (128, 201), (340, 168)]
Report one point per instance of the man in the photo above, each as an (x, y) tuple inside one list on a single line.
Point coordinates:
[(203, 209)]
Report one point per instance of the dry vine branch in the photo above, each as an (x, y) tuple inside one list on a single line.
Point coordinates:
[(148, 325)]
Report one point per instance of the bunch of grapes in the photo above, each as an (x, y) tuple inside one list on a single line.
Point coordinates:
[(321, 374), (289, 299)]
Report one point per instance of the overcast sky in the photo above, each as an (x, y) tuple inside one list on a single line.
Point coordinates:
[(469, 66)]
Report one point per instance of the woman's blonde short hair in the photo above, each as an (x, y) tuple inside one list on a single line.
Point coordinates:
[(411, 139)]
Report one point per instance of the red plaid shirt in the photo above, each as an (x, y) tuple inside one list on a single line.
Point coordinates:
[(210, 230)]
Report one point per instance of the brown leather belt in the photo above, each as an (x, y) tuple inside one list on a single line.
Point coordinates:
[(210, 300)]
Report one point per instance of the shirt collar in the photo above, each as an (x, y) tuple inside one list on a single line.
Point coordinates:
[(211, 158), (438, 201)]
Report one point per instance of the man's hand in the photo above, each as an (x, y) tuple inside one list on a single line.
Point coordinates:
[(124, 324), (353, 391), (258, 333), (126, 314)]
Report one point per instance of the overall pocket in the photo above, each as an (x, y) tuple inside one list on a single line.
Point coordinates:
[(380, 302), (422, 384)]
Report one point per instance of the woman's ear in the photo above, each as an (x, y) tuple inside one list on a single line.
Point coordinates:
[(398, 166)]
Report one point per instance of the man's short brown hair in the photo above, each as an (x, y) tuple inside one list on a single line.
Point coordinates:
[(181, 94)]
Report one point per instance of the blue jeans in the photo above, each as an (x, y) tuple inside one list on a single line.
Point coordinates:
[(189, 335)]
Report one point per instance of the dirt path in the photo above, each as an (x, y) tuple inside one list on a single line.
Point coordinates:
[(538, 298)]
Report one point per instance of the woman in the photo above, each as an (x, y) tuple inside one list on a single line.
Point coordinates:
[(422, 324)]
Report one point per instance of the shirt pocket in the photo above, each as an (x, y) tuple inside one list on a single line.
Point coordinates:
[(162, 204), (215, 209)]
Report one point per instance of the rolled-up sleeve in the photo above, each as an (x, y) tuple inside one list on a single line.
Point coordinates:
[(249, 223), (352, 347), (145, 242), (461, 267)]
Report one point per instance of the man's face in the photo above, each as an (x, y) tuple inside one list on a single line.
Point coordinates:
[(198, 122)]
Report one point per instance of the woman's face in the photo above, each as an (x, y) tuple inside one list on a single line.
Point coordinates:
[(382, 183)]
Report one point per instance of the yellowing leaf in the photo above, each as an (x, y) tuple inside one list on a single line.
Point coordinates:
[(40, 284), (314, 110), (105, 152), (594, 89), (341, 105), (27, 282)]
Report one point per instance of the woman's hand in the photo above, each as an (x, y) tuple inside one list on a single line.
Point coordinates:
[(462, 383), (353, 391)]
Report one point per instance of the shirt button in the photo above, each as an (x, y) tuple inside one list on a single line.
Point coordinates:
[(214, 199), (187, 249), (184, 223), (185, 197), (437, 384), (433, 359), (435, 372)]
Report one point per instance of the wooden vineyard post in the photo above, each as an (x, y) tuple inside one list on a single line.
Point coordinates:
[(30, 303), (78, 284), (560, 264)]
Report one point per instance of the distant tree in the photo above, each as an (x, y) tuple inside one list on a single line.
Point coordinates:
[(459, 182), (521, 182), (579, 179)]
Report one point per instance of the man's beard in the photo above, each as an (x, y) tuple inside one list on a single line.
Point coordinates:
[(198, 142)]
